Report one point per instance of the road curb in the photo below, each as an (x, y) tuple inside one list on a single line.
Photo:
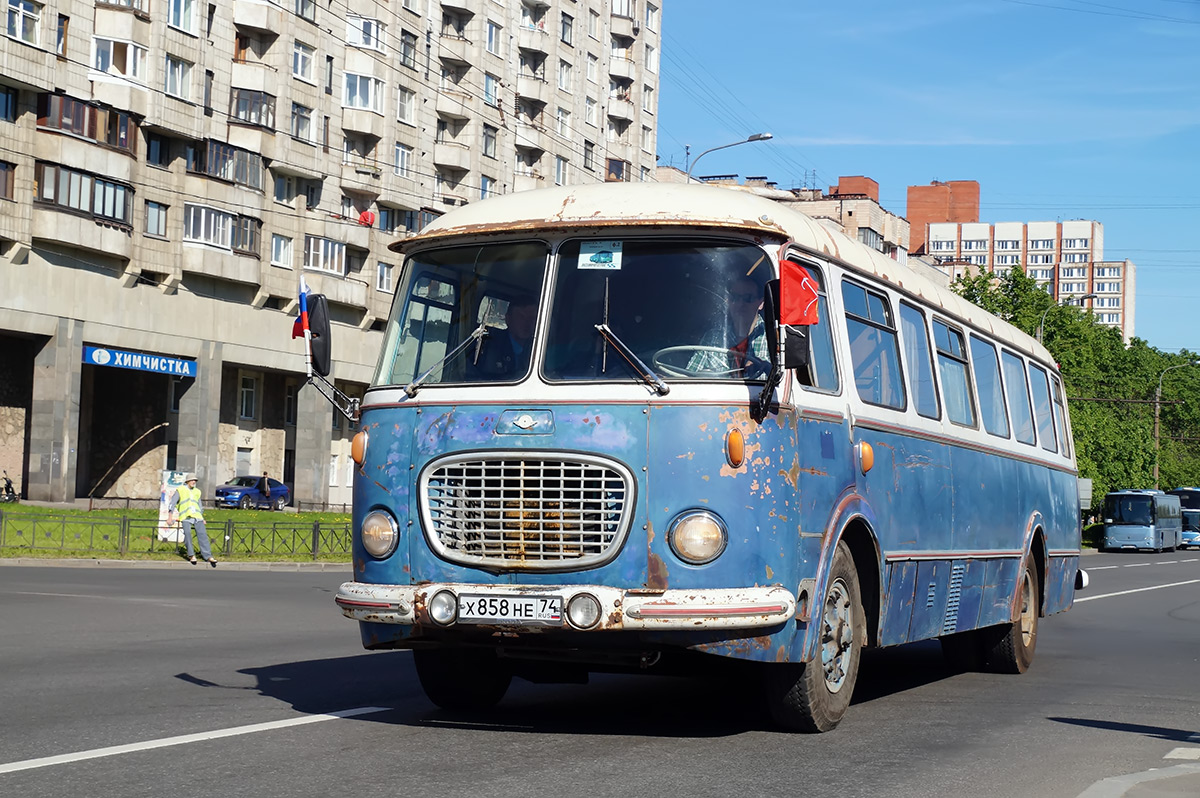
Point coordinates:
[(224, 565), (1185, 782)]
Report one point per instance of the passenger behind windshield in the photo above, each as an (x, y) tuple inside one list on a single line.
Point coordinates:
[(736, 345), (504, 352)]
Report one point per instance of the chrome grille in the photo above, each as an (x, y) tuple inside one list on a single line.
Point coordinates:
[(526, 510)]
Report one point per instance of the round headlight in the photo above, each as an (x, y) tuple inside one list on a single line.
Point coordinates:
[(379, 534), (443, 607), (697, 537), (583, 611)]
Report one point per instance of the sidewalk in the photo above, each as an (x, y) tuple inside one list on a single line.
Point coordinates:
[(225, 565), (1175, 781)]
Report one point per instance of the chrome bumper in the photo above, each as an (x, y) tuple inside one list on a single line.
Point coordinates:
[(736, 608)]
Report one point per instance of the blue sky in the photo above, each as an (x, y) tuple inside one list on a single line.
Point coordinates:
[(1061, 109)]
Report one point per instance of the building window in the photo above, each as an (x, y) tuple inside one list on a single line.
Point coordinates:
[(1041, 243), (566, 33), (80, 191), (489, 141), (408, 49), (622, 8), (406, 106), (8, 104), (648, 140), (589, 155), (302, 128), (102, 125), (245, 235), (363, 91), (648, 99), (564, 75), (592, 67), (248, 397), (60, 41), (121, 59), (281, 251), (219, 160), (364, 32), (389, 219), (289, 403), (215, 228), (306, 9), (651, 17), (325, 255), (617, 171), (493, 38), (1075, 243), (491, 89), (651, 58), (487, 186), (403, 163), (383, 280), (24, 18), (333, 458), (560, 170), (156, 219), (252, 108), (177, 78), (1007, 244), (589, 111), (594, 24), (7, 173), (329, 74), (181, 14), (302, 61)]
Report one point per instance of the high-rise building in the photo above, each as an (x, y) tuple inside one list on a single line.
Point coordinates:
[(168, 171)]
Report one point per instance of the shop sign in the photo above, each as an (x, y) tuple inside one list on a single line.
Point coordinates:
[(139, 361)]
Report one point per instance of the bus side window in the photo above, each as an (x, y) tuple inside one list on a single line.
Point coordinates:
[(1041, 405), (954, 371), (1060, 417), (874, 350), (921, 383), (1017, 387), (822, 374), (988, 388)]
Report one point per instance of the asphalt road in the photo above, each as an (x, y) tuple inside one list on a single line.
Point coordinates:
[(212, 683)]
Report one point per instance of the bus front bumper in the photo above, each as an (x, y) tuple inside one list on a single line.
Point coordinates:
[(573, 607)]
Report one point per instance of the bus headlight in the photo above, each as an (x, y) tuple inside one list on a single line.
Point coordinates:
[(697, 536), (379, 534)]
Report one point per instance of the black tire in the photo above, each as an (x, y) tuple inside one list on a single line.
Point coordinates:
[(461, 680), (246, 502), (1013, 644), (280, 503), (965, 652), (814, 696)]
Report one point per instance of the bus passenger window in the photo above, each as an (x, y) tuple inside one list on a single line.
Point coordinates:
[(1060, 417), (920, 363), (989, 389), (952, 367), (822, 374), (1017, 388), (1041, 406), (874, 350)]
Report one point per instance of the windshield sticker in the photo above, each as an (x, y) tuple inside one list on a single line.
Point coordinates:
[(600, 255)]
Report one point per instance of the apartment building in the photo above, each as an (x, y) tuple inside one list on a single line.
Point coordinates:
[(170, 168), (1066, 258)]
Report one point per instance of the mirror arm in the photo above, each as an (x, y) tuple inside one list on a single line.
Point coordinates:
[(348, 406)]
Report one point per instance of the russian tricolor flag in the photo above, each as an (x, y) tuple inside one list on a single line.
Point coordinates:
[(300, 326)]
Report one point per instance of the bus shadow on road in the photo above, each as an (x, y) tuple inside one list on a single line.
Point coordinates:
[(725, 703), (1156, 732)]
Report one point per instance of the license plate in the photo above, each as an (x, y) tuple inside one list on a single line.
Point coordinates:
[(533, 610)]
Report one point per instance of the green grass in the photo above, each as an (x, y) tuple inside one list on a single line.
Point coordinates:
[(236, 535)]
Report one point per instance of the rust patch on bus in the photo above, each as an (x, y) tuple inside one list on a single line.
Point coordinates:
[(656, 573)]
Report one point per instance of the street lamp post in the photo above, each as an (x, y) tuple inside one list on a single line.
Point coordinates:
[(1042, 322), (755, 137), (1157, 402)]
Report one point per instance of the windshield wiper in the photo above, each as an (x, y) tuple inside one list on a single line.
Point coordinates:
[(642, 369), (477, 334)]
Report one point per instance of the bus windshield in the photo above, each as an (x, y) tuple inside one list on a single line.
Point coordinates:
[(1137, 510), (1191, 520), (689, 309)]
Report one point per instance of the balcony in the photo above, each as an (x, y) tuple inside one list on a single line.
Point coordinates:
[(533, 88), (342, 290), (459, 5), (254, 139), (258, 15), (76, 230), (529, 136), (625, 27), (120, 93), (534, 39), (452, 155), (453, 104), (362, 176), (528, 181), (454, 48), (80, 154), (220, 263), (620, 109), (122, 24), (254, 75), (28, 67), (623, 68), (360, 120)]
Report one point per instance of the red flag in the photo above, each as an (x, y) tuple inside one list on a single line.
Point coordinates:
[(797, 294)]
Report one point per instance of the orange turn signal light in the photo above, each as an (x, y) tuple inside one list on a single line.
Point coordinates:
[(735, 447), (866, 456), (358, 447)]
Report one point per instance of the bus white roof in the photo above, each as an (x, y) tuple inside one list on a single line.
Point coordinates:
[(592, 208)]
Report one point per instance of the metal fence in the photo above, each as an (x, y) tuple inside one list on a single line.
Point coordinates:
[(75, 534)]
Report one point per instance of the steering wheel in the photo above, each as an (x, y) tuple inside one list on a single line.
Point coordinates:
[(659, 360)]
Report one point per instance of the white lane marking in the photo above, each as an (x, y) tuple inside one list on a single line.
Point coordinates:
[(1136, 590), (1167, 562), (1103, 568), (1138, 564), (184, 739), (1183, 753), (90, 597), (1194, 559)]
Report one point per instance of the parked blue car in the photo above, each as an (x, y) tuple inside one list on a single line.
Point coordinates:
[(247, 492)]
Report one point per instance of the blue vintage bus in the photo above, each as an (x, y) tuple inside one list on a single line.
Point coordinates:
[(591, 446), (1142, 520)]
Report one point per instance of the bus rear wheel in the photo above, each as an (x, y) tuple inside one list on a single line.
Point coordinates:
[(462, 680), (1014, 643), (813, 696)]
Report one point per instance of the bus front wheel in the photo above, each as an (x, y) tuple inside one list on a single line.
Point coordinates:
[(813, 696), (461, 680), (1014, 643)]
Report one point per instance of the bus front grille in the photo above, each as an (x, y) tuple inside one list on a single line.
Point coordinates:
[(523, 510)]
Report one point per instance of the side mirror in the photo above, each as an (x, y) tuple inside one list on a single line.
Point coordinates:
[(318, 326), (770, 312)]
